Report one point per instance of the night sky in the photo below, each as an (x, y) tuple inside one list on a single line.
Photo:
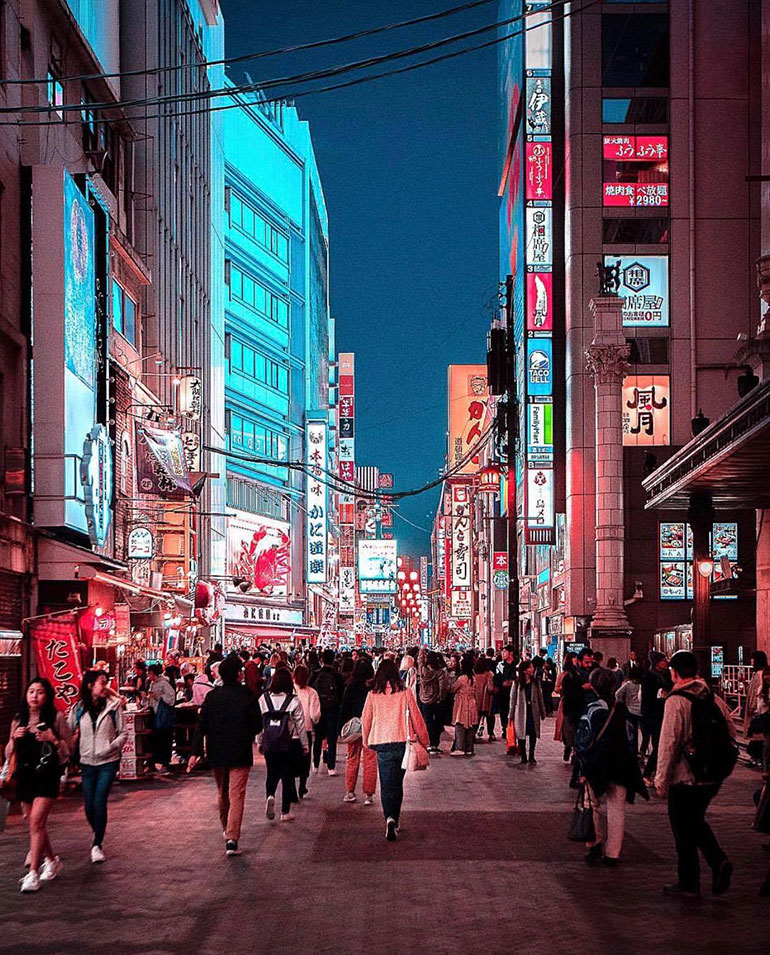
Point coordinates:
[(409, 170)]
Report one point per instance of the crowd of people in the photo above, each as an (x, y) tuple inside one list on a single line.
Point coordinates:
[(625, 731)]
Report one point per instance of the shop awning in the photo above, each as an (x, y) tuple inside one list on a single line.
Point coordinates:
[(271, 633), (730, 460), (87, 572), (56, 560)]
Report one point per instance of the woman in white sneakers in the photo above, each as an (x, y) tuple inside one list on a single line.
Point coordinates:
[(97, 724), (41, 743)]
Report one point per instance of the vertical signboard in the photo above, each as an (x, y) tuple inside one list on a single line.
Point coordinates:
[(468, 416), (346, 429), (646, 410), (461, 563), (537, 350), (643, 288), (316, 503)]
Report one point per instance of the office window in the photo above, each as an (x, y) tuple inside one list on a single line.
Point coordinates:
[(252, 363), (635, 49), (246, 289), (648, 351), (654, 231), (123, 312), (246, 218), (55, 94), (636, 109)]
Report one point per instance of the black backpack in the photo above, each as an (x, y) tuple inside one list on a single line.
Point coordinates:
[(711, 752), (276, 735), (326, 688)]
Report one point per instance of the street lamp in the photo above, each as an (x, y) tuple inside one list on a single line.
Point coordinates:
[(706, 567)]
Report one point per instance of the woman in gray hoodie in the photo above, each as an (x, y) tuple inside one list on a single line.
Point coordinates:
[(97, 724)]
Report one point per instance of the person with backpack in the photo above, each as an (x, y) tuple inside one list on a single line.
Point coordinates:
[(330, 686), (696, 753), (284, 740), (98, 727), (162, 698), (432, 684), (607, 765), (228, 721)]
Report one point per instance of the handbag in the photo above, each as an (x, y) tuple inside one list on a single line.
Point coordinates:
[(416, 755), (762, 818), (760, 724), (352, 731), (8, 778), (581, 828)]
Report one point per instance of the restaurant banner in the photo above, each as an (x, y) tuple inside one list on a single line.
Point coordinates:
[(161, 464), (55, 645)]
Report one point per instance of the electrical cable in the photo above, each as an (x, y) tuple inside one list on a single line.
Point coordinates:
[(244, 57), (310, 76)]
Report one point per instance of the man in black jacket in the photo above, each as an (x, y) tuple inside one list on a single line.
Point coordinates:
[(505, 674), (330, 686), (229, 720)]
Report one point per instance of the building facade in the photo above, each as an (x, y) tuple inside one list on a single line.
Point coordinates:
[(611, 155)]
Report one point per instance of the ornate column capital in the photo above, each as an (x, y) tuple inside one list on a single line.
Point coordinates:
[(607, 363)]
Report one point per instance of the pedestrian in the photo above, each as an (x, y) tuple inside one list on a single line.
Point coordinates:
[(284, 741), (505, 674), (252, 676), (162, 699), (527, 710), (431, 684), (465, 711), (98, 727), (691, 722), (390, 717), (608, 765), (564, 730), (483, 687), (631, 664), (753, 693), (630, 695), (614, 667), (40, 744), (656, 684), (353, 702), (311, 707), (202, 685), (548, 684), (215, 656), (407, 670), (228, 721), (329, 685)]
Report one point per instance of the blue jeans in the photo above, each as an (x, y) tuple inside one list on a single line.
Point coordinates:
[(97, 783), (389, 758)]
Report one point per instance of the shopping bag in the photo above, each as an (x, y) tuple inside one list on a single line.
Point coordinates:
[(581, 827), (762, 818), (511, 743)]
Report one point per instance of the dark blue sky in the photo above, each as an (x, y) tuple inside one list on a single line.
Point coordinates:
[(409, 171)]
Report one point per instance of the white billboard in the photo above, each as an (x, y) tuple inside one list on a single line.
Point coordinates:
[(377, 566)]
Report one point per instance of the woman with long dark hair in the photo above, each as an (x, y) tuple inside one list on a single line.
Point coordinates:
[(564, 731), (353, 701), (311, 707), (390, 717), (282, 714), (527, 709), (97, 724), (41, 742), (465, 712)]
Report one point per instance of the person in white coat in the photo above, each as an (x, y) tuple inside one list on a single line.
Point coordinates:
[(98, 726), (311, 707)]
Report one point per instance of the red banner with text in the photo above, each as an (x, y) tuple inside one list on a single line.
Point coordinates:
[(55, 645)]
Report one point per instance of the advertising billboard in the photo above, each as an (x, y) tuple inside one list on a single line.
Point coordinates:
[(540, 433), (539, 302), (461, 536), (538, 171), (644, 289), (635, 170), (377, 566), (539, 366), (259, 551), (316, 517), (676, 556), (646, 410), (468, 415)]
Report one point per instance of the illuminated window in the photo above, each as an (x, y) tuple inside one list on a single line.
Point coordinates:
[(123, 312), (635, 170), (246, 218), (251, 363), (637, 109), (676, 555), (244, 288), (55, 94)]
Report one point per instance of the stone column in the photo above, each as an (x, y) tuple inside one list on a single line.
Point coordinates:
[(607, 360)]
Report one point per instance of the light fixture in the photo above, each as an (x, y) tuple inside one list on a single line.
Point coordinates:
[(706, 567), (413, 575), (401, 575), (98, 611)]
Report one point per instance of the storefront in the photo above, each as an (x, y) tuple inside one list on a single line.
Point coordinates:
[(249, 623)]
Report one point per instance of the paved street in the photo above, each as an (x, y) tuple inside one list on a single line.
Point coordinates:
[(482, 864)]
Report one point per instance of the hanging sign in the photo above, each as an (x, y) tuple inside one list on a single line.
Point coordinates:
[(190, 401), (55, 645), (141, 544), (316, 503), (161, 466), (96, 478)]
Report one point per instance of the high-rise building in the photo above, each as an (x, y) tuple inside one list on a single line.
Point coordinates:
[(278, 336), (622, 146)]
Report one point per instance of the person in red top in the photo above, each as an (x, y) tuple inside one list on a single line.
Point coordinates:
[(390, 715)]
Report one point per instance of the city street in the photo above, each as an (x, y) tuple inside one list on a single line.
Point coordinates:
[(482, 864)]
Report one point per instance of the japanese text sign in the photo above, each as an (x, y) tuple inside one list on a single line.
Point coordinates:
[(316, 503), (646, 410), (468, 413), (55, 644)]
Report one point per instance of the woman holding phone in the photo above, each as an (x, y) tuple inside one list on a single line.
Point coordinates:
[(41, 741)]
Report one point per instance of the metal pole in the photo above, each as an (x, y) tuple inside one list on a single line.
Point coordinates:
[(512, 427)]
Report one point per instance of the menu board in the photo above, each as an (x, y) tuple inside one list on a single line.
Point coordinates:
[(675, 556)]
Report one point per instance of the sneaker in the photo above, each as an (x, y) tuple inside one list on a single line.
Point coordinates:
[(369, 801), (722, 877), (231, 848), (457, 752), (28, 860), (676, 890), (30, 882), (303, 794), (390, 830), (50, 869), (349, 797), (332, 772), (97, 854), (270, 807), (288, 817)]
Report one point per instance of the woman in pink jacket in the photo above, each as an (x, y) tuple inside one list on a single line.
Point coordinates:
[(311, 707), (390, 716)]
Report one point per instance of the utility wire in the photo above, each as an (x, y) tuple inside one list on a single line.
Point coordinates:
[(245, 57), (236, 104), (290, 80)]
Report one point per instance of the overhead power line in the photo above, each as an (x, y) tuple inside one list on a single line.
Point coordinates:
[(261, 54)]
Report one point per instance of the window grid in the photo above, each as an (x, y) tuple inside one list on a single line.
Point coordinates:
[(244, 217), (253, 364), (244, 288)]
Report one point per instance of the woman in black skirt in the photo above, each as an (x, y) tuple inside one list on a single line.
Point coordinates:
[(41, 740)]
